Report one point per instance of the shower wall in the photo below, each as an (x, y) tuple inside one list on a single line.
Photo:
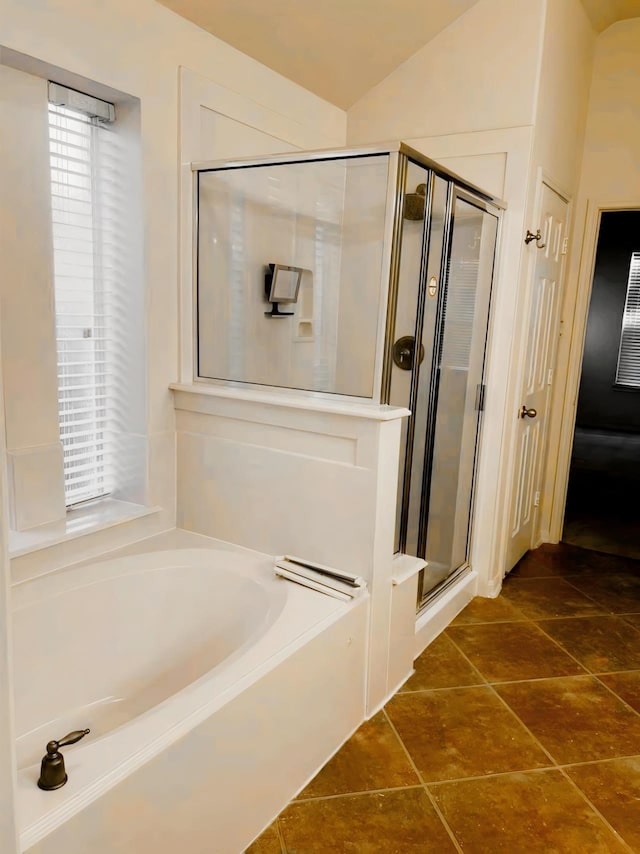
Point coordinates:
[(247, 219), (326, 217)]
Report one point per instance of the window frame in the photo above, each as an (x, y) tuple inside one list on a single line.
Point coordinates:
[(628, 362)]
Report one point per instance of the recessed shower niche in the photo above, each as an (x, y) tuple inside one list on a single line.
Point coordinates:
[(384, 265)]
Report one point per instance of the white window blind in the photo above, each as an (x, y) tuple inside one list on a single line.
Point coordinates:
[(80, 166), (628, 370)]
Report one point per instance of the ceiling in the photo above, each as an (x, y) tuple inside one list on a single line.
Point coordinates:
[(340, 49), (603, 13)]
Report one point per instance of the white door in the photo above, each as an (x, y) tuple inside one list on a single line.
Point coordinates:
[(542, 338)]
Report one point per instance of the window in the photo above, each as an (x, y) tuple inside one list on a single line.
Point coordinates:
[(628, 370), (80, 139)]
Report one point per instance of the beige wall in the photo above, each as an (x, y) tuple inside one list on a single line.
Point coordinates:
[(610, 177), (35, 478), (138, 48), (611, 164), (477, 74), (563, 92)]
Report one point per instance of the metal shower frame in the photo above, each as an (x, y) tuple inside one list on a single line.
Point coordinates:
[(399, 155)]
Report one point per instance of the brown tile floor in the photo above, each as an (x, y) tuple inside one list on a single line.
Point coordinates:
[(519, 731)]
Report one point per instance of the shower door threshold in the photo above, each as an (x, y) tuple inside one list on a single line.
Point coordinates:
[(441, 588)]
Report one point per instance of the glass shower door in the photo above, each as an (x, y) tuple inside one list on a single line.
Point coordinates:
[(453, 395)]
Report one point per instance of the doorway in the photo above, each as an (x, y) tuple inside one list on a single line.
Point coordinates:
[(604, 477)]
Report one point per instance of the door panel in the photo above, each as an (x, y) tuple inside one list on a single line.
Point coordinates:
[(542, 337), (448, 484)]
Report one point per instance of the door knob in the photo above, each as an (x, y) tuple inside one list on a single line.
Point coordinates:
[(528, 413)]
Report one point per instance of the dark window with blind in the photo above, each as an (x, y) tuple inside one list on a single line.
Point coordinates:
[(82, 202), (628, 369)]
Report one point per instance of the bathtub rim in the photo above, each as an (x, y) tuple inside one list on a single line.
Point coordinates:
[(146, 737), (138, 564)]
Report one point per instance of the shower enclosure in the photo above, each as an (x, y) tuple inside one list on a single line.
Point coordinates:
[(365, 273)]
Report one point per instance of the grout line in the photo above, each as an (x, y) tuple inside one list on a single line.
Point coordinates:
[(606, 612), (518, 719), (443, 688), (598, 673), (592, 598), (595, 810), (498, 682), (617, 696), (353, 794), (490, 776), (590, 672), (570, 617), (534, 737), (563, 649), (586, 669), (441, 816), (598, 761), (469, 662), (455, 625), (608, 616), (429, 795), (584, 672), (281, 839)]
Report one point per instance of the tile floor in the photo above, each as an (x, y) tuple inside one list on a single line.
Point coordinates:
[(518, 732)]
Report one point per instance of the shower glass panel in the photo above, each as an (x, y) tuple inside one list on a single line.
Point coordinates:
[(457, 393), (325, 217), (423, 400), (416, 182)]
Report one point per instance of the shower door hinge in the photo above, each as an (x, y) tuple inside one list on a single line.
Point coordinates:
[(536, 500), (480, 396)]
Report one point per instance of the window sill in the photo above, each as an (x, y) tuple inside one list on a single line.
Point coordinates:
[(626, 388), (87, 519)]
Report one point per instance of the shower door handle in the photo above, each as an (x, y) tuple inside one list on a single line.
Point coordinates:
[(403, 352)]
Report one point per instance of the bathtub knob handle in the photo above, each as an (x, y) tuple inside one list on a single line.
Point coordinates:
[(71, 738), (52, 771)]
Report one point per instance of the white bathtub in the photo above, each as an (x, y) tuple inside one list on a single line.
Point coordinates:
[(213, 692)]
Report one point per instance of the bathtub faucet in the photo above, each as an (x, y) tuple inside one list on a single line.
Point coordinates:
[(52, 771)]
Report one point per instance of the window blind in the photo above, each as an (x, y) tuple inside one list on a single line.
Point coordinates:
[(82, 299), (628, 370), (459, 309)]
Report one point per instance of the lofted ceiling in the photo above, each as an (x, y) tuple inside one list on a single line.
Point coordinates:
[(603, 13), (340, 49)]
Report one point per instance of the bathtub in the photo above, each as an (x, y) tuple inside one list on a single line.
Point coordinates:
[(213, 690)]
